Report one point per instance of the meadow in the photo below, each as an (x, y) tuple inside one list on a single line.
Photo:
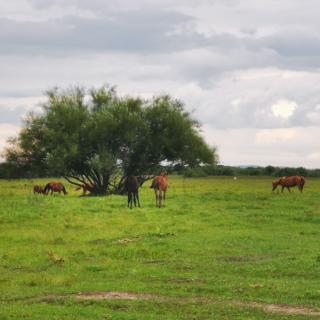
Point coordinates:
[(219, 249)]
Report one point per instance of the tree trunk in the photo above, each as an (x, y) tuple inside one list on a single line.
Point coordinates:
[(101, 185), (89, 183)]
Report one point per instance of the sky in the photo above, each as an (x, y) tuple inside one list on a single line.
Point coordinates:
[(248, 70)]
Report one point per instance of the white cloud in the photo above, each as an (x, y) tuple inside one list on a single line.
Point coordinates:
[(315, 157), (284, 108), (6, 131), (276, 136), (278, 147)]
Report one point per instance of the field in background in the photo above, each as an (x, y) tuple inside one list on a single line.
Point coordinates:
[(218, 239)]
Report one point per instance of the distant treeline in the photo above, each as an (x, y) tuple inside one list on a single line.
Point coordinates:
[(220, 170), (9, 171)]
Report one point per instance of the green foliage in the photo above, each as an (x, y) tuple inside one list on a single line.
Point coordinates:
[(94, 139), (220, 170)]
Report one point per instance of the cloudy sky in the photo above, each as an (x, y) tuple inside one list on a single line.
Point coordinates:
[(248, 70)]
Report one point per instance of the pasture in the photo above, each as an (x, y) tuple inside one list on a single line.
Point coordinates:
[(220, 249)]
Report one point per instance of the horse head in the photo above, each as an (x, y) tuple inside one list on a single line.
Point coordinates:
[(164, 173), (275, 183)]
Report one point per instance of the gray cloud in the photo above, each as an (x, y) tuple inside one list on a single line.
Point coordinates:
[(125, 31), (230, 61)]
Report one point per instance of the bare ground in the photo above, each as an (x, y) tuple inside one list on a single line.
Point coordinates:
[(109, 295)]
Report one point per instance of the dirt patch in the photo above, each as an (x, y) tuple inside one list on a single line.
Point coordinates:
[(280, 308), (117, 295), (270, 308), (122, 295)]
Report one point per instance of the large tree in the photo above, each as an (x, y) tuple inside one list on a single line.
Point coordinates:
[(98, 138)]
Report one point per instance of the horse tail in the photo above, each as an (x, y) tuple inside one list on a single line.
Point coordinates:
[(46, 188)]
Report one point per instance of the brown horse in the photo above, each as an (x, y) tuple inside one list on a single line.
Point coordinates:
[(288, 182), (38, 189), (55, 187), (160, 186), (132, 187)]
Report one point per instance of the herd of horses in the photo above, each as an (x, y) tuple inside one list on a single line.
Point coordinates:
[(51, 186), (160, 185), (132, 185)]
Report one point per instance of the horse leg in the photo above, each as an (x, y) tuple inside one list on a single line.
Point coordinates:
[(160, 198), (289, 189), (137, 195), (156, 194), (129, 200), (134, 199), (164, 198), (282, 188)]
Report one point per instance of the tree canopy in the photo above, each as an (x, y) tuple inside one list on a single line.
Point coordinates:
[(99, 138)]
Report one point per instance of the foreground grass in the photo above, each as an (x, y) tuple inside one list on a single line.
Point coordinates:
[(217, 238)]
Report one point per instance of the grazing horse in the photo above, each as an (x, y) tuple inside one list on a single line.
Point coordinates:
[(160, 186), (38, 189), (288, 182), (55, 187), (132, 187)]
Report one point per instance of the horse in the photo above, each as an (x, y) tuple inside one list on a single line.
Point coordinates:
[(38, 189), (55, 187), (288, 182), (160, 186), (132, 187)]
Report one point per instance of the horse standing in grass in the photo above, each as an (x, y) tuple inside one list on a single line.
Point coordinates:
[(288, 182), (132, 187), (38, 189), (160, 186), (55, 187)]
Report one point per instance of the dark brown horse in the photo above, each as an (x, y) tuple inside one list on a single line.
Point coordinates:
[(160, 186), (132, 187), (55, 187), (38, 189), (288, 182)]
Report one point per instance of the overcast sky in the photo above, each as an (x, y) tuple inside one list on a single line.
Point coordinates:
[(248, 70)]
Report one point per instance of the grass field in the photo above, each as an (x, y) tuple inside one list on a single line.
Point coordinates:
[(218, 246)]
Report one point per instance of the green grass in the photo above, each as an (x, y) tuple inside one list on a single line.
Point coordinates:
[(216, 238)]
